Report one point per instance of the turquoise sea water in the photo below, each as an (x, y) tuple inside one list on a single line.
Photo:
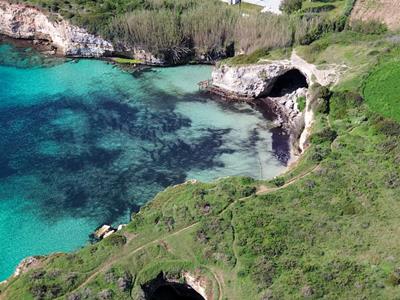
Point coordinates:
[(83, 143)]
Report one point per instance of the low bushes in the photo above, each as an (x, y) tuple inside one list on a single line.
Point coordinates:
[(290, 6), (370, 27), (342, 101), (173, 29)]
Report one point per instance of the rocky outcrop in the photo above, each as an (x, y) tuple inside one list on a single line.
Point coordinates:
[(246, 82), (26, 265), (250, 81), (253, 81), (287, 108), (25, 22)]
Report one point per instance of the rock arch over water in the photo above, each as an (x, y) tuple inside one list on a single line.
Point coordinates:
[(288, 82)]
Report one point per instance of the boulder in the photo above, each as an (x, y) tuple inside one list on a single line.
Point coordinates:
[(102, 231)]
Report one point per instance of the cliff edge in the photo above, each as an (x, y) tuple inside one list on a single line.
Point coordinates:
[(25, 22)]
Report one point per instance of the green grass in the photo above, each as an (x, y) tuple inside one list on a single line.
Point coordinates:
[(301, 103), (354, 54), (256, 56), (382, 90), (332, 8), (129, 61), (333, 232), (249, 8)]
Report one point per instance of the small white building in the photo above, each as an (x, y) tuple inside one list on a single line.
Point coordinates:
[(231, 2), (268, 5)]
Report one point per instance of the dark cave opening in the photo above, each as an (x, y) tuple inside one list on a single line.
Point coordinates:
[(175, 291), (288, 83), (162, 289)]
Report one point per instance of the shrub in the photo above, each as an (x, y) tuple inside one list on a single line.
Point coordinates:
[(320, 152), (325, 135), (318, 9), (320, 98), (248, 191), (301, 103), (290, 6), (115, 240), (310, 28), (370, 27), (319, 91), (278, 181), (263, 271), (388, 127), (341, 102), (394, 278)]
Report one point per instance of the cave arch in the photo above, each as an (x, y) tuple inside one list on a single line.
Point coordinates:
[(288, 83)]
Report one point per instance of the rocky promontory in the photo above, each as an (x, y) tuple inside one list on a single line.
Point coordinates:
[(25, 22), (282, 85), (251, 80)]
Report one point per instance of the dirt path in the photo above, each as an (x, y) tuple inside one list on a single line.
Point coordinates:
[(265, 190), (218, 277), (115, 258)]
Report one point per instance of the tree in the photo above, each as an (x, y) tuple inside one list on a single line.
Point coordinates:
[(290, 6)]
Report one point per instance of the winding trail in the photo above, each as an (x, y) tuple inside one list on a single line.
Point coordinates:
[(218, 277), (109, 263)]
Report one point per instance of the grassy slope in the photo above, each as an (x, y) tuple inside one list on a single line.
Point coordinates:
[(330, 231), (333, 7), (382, 90)]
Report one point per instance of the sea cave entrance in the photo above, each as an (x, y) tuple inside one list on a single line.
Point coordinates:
[(162, 289), (288, 83)]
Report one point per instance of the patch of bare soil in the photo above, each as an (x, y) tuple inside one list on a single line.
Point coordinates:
[(386, 11)]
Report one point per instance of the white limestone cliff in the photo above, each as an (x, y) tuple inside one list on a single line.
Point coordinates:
[(250, 80), (25, 22), (257, 80)]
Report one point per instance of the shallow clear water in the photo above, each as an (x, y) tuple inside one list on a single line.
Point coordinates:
[(83, 143)]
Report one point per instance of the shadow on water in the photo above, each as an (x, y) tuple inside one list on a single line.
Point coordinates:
[(103, 158), (99, 156), (280, 138)]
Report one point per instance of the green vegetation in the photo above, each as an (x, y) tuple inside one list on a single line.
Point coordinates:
[(257, 56), (328, 228), (371, 27), (290, 6), (120, 60), (249, 8), (382, 90), (301, 103), (180, 29)]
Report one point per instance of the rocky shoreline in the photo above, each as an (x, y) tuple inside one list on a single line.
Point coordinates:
[(282, 86), (51, 34)]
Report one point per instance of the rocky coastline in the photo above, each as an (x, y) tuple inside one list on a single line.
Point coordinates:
[(51, 34), (281, 85)]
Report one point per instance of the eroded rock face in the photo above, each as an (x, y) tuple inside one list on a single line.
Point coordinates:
[(250, 81), (270, 81), (25, 22)]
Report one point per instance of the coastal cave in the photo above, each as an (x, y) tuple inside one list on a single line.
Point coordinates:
[(288, 83), (161, 288)]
